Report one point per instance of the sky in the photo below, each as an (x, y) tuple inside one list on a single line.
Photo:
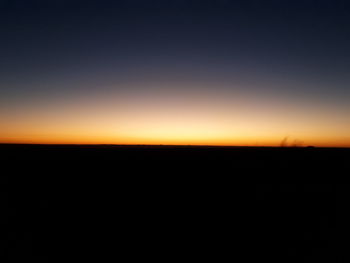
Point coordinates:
[(199, 72)]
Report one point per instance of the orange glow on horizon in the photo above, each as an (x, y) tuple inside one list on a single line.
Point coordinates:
[(111, 141), (187, 118)]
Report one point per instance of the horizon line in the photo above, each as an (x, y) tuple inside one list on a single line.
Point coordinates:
[(172, 145)]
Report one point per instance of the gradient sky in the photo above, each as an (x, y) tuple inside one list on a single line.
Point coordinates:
[(175, 72)]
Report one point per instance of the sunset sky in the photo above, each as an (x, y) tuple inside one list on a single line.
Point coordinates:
[(175, 72)]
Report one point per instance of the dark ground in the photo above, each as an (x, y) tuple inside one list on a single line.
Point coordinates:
[(164, 203)]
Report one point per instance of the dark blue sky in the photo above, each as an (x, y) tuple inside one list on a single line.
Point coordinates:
[(62, 48), (306, 37)]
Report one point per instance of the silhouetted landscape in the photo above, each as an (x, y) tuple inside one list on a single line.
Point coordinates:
[(275, 204), (258, 160)]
